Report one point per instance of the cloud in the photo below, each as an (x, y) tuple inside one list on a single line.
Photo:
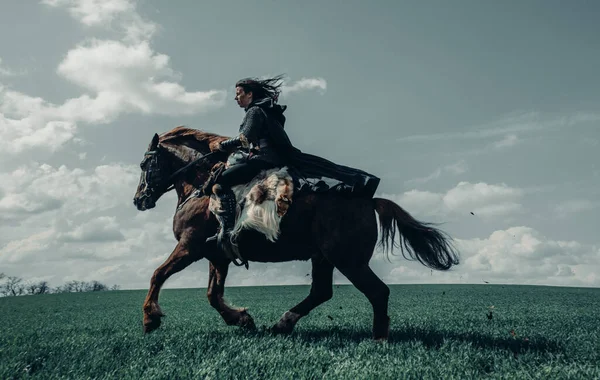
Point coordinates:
[(4, 71), (484, 200), (27, 123), (459, 167), (121, 14), (507, 142), (509, 127), (305, 84), (119, 76), (70, 223), (522, 254), (33, 189), (93, 12), (100, 229), (132, 78), (574, 206), (516, 255)]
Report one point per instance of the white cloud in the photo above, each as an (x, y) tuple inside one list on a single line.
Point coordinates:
[(4, 71), (574, 206), (103, 228), (305, 84), (74, 223), (522, 254), (132, 78), (507, 142), (32, 189), (120, 77), (27, 122), (517, 255), (21, 250), (509, 126), (457, 168), (120, 14), (93, 12), (484, 200)]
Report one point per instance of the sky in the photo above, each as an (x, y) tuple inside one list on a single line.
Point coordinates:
[(480, 115)]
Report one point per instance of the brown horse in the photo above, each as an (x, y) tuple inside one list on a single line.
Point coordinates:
[(331, 231)]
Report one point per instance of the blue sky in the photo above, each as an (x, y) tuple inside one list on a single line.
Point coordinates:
[(470, 106)]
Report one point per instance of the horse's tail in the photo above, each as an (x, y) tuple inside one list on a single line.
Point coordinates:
[(430, 246)]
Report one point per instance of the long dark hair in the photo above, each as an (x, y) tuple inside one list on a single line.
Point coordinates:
[(262, 88)]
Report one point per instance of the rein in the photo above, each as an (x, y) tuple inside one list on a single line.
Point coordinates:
[(186, 167)]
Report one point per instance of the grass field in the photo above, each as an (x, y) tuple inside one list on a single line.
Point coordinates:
[(437, 331)]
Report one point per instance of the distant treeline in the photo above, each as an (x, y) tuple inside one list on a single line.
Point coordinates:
[(16, 286)]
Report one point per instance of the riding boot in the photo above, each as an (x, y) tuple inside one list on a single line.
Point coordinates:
[(226, 215)]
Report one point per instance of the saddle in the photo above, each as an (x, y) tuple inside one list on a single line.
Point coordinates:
[(260, 204)]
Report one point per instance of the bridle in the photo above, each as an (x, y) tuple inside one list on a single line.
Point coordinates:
[(153, 171)]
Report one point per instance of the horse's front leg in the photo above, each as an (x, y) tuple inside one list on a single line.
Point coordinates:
[(179, 259), (216, 290)]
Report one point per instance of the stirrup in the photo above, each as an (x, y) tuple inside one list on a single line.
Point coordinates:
[(240, 262), (213, 238)]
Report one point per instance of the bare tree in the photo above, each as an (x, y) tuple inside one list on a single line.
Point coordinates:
[(31, 288), (43, 287), (13, 286), (97, 286), (74, 286), (40, 287)]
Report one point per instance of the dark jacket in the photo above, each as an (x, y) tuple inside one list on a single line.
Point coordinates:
[(263, 126)]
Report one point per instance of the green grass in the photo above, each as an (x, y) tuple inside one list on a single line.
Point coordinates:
[(438, 331)]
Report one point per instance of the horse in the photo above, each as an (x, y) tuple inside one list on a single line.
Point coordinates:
[(332, 231)]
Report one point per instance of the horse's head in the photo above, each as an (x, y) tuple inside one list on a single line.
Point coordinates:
[(181, 153), (156, 175)]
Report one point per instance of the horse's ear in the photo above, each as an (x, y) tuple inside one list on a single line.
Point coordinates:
[(154, 143)]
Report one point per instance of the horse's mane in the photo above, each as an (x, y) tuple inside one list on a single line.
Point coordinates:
[(182, 133)]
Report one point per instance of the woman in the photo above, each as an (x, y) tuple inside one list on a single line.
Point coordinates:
[(262, 130)]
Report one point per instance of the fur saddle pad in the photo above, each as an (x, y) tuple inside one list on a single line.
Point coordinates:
[(261, 203)]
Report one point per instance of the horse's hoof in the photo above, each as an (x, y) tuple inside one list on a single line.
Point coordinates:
[(381, 329), (151, 325), (246, 322), (282, 329)]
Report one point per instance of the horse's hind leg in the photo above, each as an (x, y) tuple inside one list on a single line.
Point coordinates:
[(216, 289), (321, 291), (377, 292)]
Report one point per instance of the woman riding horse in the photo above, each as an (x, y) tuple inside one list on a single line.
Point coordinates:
[(262, 134)]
